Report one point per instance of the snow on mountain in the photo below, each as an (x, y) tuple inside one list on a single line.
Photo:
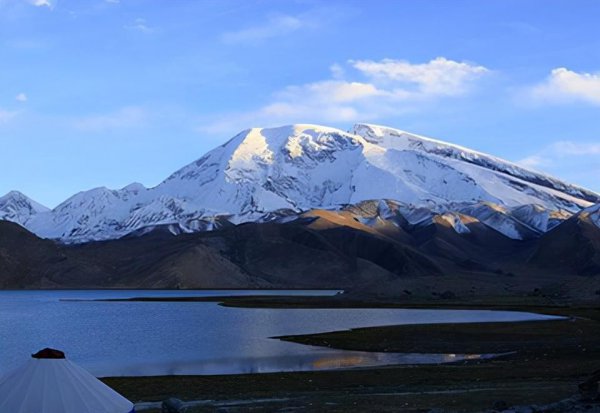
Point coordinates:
[(500, 218), (299, 167), (592, 214), (521, 222), (539, 218), (401, 140), (261, 170), (16, 207), (95, 214), (457, 221)]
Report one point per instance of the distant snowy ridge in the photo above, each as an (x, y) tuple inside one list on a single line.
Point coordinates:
[(16, 207), (264, 174)]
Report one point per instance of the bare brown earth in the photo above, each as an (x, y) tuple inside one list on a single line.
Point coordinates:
[(353, 249)]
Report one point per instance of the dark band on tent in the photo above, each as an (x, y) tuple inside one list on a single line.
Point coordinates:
[(49, 353)]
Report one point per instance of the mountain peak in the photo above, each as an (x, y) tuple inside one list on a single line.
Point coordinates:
[(304, 166), (12, 194), (21, 197), (19, 208), (298, 128), (134, 187)]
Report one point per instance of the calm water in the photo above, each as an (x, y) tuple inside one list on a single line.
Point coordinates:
[(155, 338)]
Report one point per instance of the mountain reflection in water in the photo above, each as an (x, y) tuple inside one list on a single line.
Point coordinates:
[(319, 360)]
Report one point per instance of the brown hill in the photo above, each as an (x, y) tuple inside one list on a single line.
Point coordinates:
[(357, 249), (572, 247)]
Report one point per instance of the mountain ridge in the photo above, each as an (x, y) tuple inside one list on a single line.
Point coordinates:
[(300, 167), (378, 247)]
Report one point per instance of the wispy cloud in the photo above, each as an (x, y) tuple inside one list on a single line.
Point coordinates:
[(21, 97), (439, 76), (275, 26), (6, 116), (570, 148), (127, 117), (573, 161), (578, 161), (140, 25), (566, 86), (533, 162), (42, 3), (360, 90)]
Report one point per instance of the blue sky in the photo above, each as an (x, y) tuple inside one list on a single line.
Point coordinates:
[(104, 93)]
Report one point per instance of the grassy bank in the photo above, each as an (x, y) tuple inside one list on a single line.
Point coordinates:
[(471, 387), (573, 336), (547, 362)]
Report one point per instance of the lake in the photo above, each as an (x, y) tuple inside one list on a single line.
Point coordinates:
[(158, 338)]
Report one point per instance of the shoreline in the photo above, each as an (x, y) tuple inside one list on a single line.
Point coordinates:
[(547, 362), (464, 386), (504, 303)]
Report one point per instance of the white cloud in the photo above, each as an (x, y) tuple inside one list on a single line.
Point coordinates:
[(42, 3), (335, 91), (359, 91), (533, 162), (140, 25), (21, 97), (565, 157), (126, 117), (576, 162), (439, 76), (275, 26), (564, 86)]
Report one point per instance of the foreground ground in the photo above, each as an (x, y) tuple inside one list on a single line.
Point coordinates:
[(547, 361)]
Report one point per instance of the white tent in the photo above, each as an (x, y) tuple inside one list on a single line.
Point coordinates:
[(49, 383)]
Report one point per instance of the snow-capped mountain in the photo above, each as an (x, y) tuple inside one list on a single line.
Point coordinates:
[(400, 140), (262, 174), (16, 207)]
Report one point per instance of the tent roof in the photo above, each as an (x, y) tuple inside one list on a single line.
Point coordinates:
[(56, 385), (49, 353)]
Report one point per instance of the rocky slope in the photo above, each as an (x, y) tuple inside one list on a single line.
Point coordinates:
[(372, 247), (573, 246)]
